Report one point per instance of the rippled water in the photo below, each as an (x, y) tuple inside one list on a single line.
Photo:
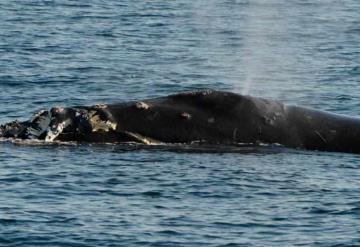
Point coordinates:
[(86, 52)]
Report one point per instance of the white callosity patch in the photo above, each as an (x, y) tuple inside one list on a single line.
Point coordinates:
[(97, 124), (142, 105), (56, 130)]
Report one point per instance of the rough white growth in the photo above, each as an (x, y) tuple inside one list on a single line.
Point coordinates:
[(52, 134)]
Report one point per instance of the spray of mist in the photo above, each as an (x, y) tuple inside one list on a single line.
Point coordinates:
[(258, 26), (261, 56)]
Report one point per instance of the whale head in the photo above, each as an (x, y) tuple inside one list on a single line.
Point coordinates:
[(58, 123)]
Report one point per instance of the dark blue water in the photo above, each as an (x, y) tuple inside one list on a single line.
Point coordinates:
[(86, 52)]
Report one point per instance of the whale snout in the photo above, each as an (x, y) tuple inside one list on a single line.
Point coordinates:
[(61, 120)]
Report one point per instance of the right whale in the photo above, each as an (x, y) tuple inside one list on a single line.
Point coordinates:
[(209, 116)]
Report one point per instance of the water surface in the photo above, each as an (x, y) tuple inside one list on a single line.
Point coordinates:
[(87, 52)]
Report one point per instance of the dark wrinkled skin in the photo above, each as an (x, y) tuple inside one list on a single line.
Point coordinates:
[(207, 116)]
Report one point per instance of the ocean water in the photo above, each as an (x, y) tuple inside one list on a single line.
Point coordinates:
[(86, 52)]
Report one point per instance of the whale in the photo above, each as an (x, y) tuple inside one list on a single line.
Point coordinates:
[(206, 116)]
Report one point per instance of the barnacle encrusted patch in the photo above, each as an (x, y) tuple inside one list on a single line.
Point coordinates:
[(99, 124), (81, 121), (55, 131)]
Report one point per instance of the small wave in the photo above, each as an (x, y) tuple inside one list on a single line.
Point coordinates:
[(194, 147), (352, 211), (7, 221), (35, 142), (152, 193)]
